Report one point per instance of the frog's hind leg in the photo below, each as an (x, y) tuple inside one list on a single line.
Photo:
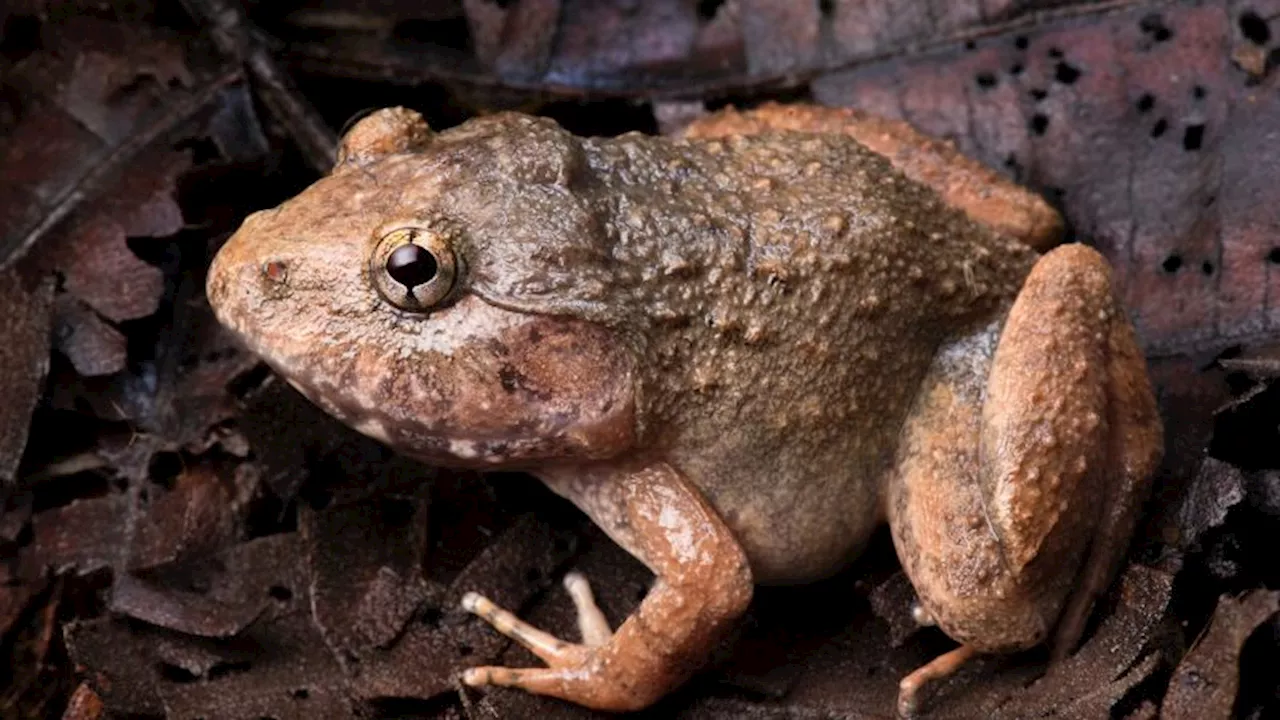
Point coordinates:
[(1135, 446), (1022, 466)]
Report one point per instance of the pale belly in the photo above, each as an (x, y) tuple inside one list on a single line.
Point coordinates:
[(793, 538)]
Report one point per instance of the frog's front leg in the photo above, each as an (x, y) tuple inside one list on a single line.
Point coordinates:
[(703, 584), (1024, 465)]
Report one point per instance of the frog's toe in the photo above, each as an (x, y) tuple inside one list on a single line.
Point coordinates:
[(589, 683), (577, 673), (534, 680), (549, 648), (912, 686), (580, 673), (591, 621)]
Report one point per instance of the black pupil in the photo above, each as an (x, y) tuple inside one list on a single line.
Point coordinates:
[(412, 265)]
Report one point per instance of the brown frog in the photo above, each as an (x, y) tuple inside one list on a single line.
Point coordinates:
[(739, 354)]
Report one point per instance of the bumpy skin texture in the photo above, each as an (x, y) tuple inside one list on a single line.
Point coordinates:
[(781, 326), (1030, 447), (986, 197)]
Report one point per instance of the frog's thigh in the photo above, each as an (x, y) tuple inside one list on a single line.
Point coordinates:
[(997, 501), (941, 528), (1135, 444)]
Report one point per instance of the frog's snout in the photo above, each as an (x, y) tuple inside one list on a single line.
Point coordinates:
[(240, 278), (219, 283)]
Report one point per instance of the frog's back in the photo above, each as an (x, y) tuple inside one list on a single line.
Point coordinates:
[(784, 295), (797, 288)]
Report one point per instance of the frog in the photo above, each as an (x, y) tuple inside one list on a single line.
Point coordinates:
[(740, 351)]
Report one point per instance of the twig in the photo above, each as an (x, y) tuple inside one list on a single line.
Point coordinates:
[(233, 34)]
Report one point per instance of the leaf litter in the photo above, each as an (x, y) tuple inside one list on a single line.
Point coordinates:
[(190, 538)]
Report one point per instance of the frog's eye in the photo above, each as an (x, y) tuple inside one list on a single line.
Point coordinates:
[(414, 268)]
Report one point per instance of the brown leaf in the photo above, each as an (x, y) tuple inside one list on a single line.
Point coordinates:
[(296, 678), (190, 612), (256, 593), (102, 271), (119, 662), (96, 264), (527, 38), (85, 535), (1137, 125), (220, 595), (199, 513), (365, 564), (280, 668), (424, 661), (93, 91), (41, 158), (135, 530), (780, 36), (258, 597), (657, 49), (1205, 682), (25, 321), (93, 345), (92, 98), (1215, 490)]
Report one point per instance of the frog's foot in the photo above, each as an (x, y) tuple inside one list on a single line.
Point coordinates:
[(566, 660), (590, 673), (910, 686), (592, 624), (703, 584)]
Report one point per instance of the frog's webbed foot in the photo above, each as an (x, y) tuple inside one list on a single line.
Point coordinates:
[(566, 660), (701, 587)]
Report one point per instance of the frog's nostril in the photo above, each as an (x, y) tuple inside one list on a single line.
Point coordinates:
[(277, 271), (412, 265)]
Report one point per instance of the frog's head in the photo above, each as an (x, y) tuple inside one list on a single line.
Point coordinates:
[(384, 294)]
